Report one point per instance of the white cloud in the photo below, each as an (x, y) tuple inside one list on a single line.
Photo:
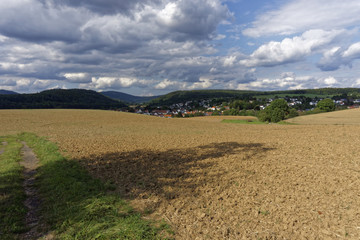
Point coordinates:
[(353, 51), (112, 82), (77, 77), (356, 83), (202, 84), (300, 15), (42, 84), (286, 81), (167, 84), (329, 80), (335, 57), (290, 49), (229, 61), (220, 37)]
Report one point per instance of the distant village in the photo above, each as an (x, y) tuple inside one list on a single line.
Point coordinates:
[(215, 107)]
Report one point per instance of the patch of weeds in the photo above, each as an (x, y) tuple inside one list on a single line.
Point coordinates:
[(265, 213), (109, 186), (148, 211), (12, 195), (76, 206), (166, 228)]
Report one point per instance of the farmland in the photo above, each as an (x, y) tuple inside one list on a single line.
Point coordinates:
[(215, 180)]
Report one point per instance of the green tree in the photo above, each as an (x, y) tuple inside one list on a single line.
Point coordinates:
[(326, 105), (277, 115), (292, 113), (275, 112)]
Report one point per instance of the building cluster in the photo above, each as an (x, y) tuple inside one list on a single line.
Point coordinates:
[(205, 108)]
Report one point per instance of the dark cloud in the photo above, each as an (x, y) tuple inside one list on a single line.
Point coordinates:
[(117, 43), (30, 21), (103, 7), (195, 19), (7, 82)]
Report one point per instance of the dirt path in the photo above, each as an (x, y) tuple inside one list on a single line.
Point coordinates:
[(32, 202)]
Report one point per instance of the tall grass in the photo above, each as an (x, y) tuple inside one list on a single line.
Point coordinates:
[(12, 195)]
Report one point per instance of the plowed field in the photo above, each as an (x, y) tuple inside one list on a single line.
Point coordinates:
[(213, 180)]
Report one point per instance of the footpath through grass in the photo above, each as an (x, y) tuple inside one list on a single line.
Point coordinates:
[(12, 196), (74, 205)]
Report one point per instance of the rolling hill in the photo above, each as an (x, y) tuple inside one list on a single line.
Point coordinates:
[(60, 98), (127, 97), (7, 92), (183, 96)]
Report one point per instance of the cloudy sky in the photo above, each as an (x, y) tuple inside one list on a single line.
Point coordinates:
[(157, 46)]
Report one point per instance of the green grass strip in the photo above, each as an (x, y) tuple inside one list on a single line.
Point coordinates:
[(12, 195), (242, 121), (76, 206)]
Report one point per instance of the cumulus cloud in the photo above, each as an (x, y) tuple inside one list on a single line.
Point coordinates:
[(167, 84), (203, 83), (299, 15), (77, 77), (286, 80), (329, 81), (109, 25), (103, 6), (290, 49), (85, 42), (112, 82), (334, 58), (30, 21)]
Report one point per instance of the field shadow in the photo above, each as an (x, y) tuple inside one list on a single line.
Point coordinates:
[(167, 174), (12, 196)]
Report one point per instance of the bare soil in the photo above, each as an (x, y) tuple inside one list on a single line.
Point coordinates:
[(211, 180)]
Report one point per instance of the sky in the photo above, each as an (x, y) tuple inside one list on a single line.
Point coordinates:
[(153, 47)]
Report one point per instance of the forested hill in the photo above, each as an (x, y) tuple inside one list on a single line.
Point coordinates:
[(127, 97), (60, 98), (7, 92), (183, 96)]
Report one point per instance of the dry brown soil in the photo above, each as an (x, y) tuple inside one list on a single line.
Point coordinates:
[(213, 180)]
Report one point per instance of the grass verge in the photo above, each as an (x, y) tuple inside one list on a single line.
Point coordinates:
[(76, 206), (12, 196), (242, 121)]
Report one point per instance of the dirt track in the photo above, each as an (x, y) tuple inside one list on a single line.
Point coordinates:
[(32, 203), (214, 180)]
